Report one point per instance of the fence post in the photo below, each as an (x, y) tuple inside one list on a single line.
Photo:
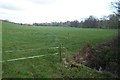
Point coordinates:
[(60, 48)]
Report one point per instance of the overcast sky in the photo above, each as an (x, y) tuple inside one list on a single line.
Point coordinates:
[(30, 11)]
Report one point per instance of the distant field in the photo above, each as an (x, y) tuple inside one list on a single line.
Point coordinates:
[(21, 41)]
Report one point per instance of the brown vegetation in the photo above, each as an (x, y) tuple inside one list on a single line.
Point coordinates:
[(103, 56)]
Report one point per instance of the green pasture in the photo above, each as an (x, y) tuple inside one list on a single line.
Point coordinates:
[(25, 41), (0, 49)]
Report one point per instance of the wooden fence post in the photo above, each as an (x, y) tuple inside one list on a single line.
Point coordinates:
[(60, 48)]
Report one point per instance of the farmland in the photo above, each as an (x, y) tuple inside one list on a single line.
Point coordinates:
[(0, 49), (20, 41)]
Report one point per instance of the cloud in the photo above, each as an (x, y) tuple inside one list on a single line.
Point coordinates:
[(51, 10), (42, 2), (9, 6)]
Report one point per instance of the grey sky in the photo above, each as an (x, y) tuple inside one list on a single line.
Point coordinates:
[(30, 11), (8, 5), (43, 2)]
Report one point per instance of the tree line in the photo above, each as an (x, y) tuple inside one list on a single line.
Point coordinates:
[(109, 22), (106, 22)]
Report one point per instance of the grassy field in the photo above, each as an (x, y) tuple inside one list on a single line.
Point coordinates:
[(0, 49), (21, 41)]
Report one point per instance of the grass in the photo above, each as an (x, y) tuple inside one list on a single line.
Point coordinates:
[(21, 37), (0, 49)]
